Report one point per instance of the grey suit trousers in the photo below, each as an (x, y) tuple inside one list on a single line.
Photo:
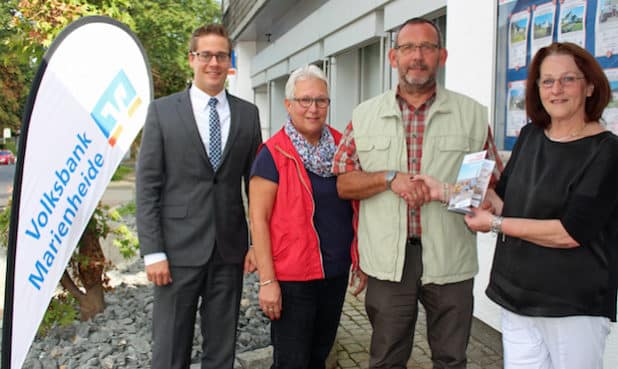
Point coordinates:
[(216, 290)]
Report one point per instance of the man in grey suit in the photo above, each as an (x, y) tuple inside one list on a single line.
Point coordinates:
[(197, 145)]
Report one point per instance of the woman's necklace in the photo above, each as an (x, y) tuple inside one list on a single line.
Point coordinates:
[(568, 137)]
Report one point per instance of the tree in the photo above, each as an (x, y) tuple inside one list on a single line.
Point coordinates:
[(164, 28), (85, 278), (28, 27), (12, 72)]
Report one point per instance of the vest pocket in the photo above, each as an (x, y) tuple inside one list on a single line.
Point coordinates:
[(455, 143), (374, 152)]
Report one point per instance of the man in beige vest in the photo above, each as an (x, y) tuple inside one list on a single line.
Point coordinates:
[(414, 251)]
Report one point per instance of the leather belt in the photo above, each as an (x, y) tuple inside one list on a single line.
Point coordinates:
[(414, 241)]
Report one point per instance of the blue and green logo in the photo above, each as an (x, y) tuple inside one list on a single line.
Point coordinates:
[(117, 104)]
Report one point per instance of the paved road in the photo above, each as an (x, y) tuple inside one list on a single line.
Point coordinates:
[(116, 193), (7, 172)]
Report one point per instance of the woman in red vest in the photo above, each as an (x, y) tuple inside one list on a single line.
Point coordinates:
[(302, 232)]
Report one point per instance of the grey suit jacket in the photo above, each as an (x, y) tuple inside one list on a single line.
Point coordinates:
[(183, 206)]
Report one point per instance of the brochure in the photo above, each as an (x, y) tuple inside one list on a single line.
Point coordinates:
[(472, 182)]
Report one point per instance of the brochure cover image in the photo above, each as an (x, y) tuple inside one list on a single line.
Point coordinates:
[(472, 182)]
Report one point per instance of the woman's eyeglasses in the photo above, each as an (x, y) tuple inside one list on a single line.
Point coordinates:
[(305, 102), (565, 81)]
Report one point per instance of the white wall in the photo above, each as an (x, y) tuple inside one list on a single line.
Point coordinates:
[(344, 88), (278, 113), (245, 50), (469, 70), (470, 43), (331, 18), (261, 100), (371, 77)]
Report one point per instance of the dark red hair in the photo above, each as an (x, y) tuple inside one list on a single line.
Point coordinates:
[(590, 68)]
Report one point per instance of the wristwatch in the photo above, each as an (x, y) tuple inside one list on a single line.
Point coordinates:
[(389, 177), (496, 224)]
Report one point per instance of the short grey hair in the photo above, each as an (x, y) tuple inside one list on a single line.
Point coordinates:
[(418, 20), (309, 71)]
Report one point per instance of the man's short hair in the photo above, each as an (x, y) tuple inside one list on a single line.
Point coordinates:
[(418, 20), (209, 29)]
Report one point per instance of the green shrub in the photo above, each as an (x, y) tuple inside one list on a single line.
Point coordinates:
[(62, 311), (122, 172)]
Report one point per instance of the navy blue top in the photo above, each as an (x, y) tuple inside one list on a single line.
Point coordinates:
[(332, 217)]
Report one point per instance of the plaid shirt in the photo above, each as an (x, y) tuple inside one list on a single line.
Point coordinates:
[(346, 158)]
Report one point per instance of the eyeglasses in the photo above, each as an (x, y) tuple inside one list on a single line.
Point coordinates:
[(320, 102), (206, 56), (425, 47), (565, 81)]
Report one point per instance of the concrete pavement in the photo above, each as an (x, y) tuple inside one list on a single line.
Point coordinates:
[(354, 335)]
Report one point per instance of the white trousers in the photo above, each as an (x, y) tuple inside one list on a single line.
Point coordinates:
[(574, 342)]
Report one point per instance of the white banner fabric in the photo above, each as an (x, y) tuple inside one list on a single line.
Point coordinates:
[(91, 103)]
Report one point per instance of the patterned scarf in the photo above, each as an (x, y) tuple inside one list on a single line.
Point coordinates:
[(316, 159)]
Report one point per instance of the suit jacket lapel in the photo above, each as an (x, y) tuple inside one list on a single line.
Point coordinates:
[(234, 126), (188, 123)]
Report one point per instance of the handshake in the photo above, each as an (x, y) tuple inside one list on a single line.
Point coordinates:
[(419, 189)]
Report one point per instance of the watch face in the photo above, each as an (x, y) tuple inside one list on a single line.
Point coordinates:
[(390, 176)]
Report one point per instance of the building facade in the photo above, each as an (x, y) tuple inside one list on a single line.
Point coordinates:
[(349, 40)]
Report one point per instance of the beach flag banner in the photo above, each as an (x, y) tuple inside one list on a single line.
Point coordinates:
[(87, 103)]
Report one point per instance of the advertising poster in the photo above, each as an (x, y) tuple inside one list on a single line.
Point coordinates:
[(571, 26), (610, 115), (518, 39), (542, 26), (606, 28), (591, 24), (516, 113)]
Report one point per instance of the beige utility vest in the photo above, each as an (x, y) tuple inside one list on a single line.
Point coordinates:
[(455, 125)]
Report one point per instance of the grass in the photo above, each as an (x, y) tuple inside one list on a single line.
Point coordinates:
[(126, 209), (122, 172)]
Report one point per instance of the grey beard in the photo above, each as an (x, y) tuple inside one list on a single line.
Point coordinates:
[(415, 85)]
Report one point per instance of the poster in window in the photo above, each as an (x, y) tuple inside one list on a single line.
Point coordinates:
[(542, 26), (592, 24), (610, 115), (571, 26), (606, 28), (516, 113), (518, 39)]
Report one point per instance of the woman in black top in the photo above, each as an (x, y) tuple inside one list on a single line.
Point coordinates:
[(555, 268)]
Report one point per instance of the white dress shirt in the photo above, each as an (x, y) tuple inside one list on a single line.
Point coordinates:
[(201, 111)]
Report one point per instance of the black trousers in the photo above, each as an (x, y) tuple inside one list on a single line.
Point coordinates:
[(392, 309), (303, 337)]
